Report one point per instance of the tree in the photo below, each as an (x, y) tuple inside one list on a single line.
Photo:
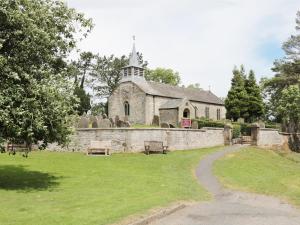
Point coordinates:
[(99, 109), (289, 107), (36, 95), (237, 97), (255, 101), (162, 75), (80, 70), (194, 86), (107, 74), (287, 74), (84, 104)]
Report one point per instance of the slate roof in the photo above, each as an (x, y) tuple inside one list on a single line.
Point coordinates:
[(165, 90), (172, 104)]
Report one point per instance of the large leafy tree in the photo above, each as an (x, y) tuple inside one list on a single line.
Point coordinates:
[(36, 94), (162, 75), (237, 97), (255, 100), (287, 74)]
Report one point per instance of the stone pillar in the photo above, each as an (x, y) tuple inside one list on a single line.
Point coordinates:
[(254, 133), (227, 134)]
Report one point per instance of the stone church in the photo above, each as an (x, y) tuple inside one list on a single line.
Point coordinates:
[(138, 101)]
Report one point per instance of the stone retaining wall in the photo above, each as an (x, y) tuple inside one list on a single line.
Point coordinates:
[(272, 138), (132, 140)]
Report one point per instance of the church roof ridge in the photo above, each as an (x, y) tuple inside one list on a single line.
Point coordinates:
[(171, 91)]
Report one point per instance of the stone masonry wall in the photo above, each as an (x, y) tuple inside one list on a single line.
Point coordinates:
[(134, 96), (273, 139), (132, 140)]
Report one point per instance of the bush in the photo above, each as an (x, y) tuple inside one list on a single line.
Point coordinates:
[(209, 123), (273, 126), (236, 130)]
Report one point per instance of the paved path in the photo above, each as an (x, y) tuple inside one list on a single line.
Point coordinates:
[(231, 207)]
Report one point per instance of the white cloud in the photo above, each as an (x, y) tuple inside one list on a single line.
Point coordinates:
[(202, 40)]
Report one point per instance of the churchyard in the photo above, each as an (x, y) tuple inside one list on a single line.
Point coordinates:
[(108, 139)]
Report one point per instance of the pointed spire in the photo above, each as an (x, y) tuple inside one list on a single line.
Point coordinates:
[(134, 58)]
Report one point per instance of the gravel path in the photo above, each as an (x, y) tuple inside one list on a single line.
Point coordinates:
[(231, 207)]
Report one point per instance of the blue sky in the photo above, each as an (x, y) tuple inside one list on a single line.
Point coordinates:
[(202, 40)]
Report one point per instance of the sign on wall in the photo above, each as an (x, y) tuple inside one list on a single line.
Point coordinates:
[(186, 123)]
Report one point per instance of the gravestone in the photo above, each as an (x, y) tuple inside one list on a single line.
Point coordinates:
[(93, 120), (83, 122), (155, 120), (104, 123), (195, 125), (164, 125), (112, 122), (95, 124)]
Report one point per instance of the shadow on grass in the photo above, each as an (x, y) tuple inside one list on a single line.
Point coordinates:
[(21, 179)]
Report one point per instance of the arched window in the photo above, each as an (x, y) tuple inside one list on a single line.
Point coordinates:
[(207, 112), (126, 108), (186, 113)]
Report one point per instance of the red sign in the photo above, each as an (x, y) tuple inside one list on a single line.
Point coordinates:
[(186, 123)]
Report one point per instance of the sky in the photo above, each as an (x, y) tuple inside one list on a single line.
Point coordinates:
[(200, 39)]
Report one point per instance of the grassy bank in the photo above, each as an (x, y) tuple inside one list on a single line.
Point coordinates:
[(262, 171), (71, 188)]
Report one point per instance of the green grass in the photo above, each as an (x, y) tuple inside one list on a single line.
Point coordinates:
[(262, 171), (71, 188)]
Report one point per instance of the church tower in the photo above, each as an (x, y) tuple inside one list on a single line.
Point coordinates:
[(134, 70)]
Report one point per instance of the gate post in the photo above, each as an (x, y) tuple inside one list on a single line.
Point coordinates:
[(227, 134), (254, 133)]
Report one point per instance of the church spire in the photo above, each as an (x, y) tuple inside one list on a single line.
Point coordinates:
[(134, 58)]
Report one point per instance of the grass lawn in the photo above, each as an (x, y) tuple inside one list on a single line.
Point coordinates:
[(71, 188), (262, 171)]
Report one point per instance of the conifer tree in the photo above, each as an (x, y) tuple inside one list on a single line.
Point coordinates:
[(255, 101), (236, 101)]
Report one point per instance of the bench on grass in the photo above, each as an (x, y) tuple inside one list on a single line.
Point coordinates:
[(99, 147), (13, 148), (155, 146)]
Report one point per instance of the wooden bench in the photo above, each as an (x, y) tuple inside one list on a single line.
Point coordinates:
[(99, 147), (13, 148), (155, 146)]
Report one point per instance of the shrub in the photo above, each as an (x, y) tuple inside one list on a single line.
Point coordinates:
[(209, 123), (236, 130)]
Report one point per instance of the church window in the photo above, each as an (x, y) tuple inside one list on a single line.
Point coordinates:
[(127, 108), (125, 72), (186, 113), (129, 71), (218, 114), (207, 112)]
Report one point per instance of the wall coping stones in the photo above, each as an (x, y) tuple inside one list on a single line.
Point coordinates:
[(204, 129)]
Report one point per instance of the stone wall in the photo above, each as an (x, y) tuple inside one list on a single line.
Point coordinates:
[(200, 112), (136, 98), (132, 140), (169, 116), (273, 139)]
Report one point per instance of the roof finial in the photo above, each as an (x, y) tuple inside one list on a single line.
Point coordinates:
[(133, 37)]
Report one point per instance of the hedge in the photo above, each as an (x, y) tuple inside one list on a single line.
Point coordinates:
[(210, 123)]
